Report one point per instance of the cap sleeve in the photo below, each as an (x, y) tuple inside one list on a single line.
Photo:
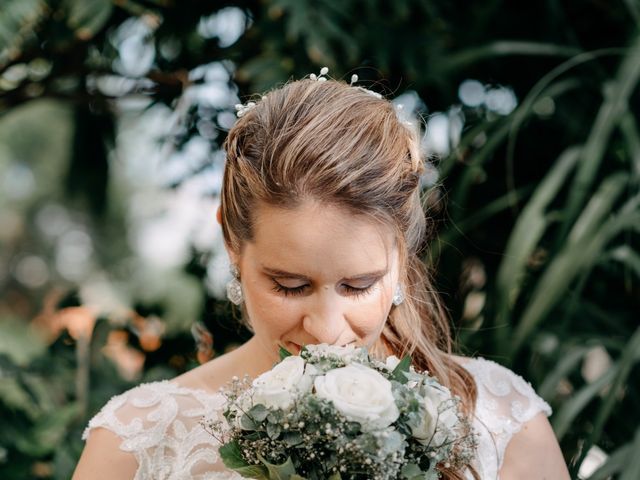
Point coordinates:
[(160, 423), (504, 404)]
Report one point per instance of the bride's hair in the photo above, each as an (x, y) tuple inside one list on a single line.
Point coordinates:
[(343, 146)]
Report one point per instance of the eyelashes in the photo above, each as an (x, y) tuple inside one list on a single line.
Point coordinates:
[(296, 291)]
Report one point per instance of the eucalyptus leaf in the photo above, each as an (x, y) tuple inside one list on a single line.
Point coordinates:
[(273, 430), (258, 412), (284, 353), (247, 423), (87, 17), (399, 373), (232, 455), (283, 471)]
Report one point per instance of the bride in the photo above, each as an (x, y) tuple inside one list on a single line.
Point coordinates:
[(323, 225)]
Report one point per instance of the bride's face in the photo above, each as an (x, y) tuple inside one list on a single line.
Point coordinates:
[(317, 274)]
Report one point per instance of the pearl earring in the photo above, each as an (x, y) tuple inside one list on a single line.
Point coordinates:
[(398, 296), (234, 288)]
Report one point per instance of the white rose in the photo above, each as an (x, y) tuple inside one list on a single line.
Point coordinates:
[(447, 421), (361, 394), (439, 419), (281, 385), (424, 431)]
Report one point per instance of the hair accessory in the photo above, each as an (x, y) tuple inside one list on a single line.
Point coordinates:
[(321, 77), (398, 296), (242, 109), (234, 288), (354, 79)]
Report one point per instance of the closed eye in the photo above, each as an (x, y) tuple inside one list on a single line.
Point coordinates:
[(357, 291), (349, 290), (286, 291)]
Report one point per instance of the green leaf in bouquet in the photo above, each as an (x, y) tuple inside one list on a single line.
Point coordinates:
[(247, 423), (232, 458), (258, 412), (411, 471), (335, 476), (352, 428), (283, 471), (275, 416), (399, 373), (232, 455), (284, 353), (292, 438), (273, 430)]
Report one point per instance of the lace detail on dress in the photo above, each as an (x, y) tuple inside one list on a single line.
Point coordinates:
[(159, 423), (505, 402)]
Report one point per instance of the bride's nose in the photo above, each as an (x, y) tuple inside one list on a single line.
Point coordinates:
[(326, 319)]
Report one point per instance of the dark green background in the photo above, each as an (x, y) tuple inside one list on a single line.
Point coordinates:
[(536, 213)]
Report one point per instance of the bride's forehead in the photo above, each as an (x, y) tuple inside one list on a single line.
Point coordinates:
[(313, 226)]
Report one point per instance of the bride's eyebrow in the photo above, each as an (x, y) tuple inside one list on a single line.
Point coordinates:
[(282, 273), (362, 276)]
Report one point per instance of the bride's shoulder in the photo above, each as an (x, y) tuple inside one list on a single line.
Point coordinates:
[(151, 407), (511, 420), (503, 393)]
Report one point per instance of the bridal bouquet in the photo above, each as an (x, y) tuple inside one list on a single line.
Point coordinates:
[(336, 413)]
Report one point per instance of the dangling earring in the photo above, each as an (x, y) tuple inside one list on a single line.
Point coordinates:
[(398, 296), (234, 288)]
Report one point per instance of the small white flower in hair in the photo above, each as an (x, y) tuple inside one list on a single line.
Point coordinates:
[(354, 79), (242, 109), (321, 76)]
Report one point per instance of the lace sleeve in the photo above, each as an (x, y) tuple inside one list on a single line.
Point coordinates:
[(505, 402), (160, 424)]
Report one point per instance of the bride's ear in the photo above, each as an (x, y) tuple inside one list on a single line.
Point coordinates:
[(219, 215)]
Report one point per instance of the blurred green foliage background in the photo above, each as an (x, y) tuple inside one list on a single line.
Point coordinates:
[(112, 113)]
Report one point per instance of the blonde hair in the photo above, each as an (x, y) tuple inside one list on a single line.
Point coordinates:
[(337, 144)]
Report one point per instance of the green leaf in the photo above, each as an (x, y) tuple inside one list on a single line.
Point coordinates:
[(292, 438), (232, 455), (273, 430), (284, 353), (616, 102), (17, 19), (632, 469), (563, 420), (587, 241), (630, 356), (232, 458), (87, 17), (401, 369), (567, 363), (614, 464), (283, 471), (411, 470), (48, 431), (247, 423), (258, 412)]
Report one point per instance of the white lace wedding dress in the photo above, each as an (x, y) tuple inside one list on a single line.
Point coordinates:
[(159, 423)]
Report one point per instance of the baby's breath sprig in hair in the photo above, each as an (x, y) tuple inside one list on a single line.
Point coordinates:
[(322, 77), (242, 109), (354, 79)]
